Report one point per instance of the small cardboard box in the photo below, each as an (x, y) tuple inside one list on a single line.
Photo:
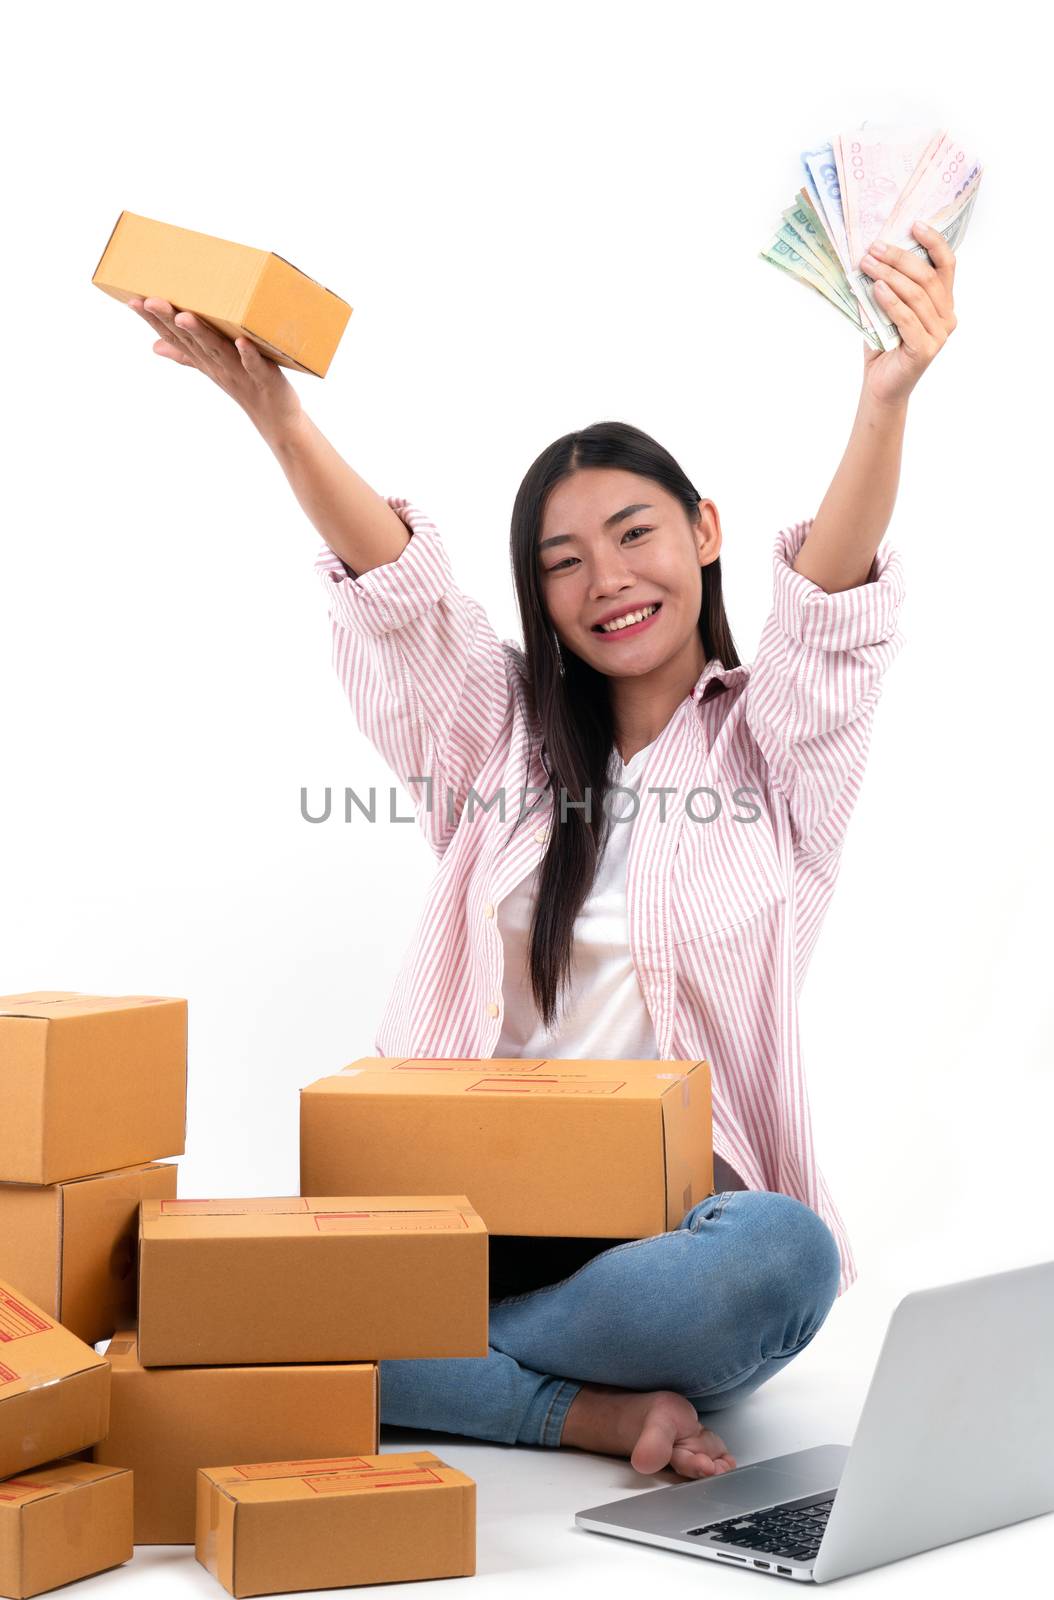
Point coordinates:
[(72, 1246), (54, 1389), (89, 1083), (344, 1278), (61, 1522), (239, 290), (166, 1422), (580, 1149), (286, 1525)]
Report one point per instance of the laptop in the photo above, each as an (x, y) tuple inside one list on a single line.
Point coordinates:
[(955, 1439)]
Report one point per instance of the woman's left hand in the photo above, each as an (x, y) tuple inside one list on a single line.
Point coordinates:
[(917, 297)]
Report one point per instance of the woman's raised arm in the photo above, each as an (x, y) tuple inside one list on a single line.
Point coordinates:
[(424, 672), (355, 521)]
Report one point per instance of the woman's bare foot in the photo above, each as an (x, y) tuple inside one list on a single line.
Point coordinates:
[(654, 1430)]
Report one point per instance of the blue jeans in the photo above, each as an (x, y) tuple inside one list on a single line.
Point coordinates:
[(712, 1309)]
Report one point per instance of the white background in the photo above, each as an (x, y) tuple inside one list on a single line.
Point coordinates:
[(542, 218)]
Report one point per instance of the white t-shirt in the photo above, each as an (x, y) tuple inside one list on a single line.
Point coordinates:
[(603, 1014)]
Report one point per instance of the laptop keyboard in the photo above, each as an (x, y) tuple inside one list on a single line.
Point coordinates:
[(794, 1529)]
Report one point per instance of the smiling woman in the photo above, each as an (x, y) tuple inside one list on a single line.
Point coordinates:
[(561, 933), (579, 563), (687, 941)]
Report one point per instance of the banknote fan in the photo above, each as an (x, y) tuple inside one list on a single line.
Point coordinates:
[(872, 183)]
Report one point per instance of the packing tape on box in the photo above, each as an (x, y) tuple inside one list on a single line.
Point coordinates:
[(42, 1010), (76, 1508), (35, 1380), (76, 1517), (210, 1554), (682, 1079), (31, 1441)]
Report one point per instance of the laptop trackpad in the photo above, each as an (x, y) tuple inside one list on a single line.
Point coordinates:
[(748, 1489)]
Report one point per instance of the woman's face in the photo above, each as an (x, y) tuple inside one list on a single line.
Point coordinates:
[(612, 543)]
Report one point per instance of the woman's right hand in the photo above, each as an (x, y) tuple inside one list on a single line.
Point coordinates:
[(257, 383)]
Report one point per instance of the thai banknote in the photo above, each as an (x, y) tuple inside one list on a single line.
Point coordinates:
[(872, 183)]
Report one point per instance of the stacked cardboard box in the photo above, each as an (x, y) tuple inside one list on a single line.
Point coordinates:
[(167, 1422), (71, 1246), (303, 1279), (62, 1522), (91, 1083), (281, 1525), (59, 1519), (248, 1332), (54, 1389), (261, 1322), (92, 1094)]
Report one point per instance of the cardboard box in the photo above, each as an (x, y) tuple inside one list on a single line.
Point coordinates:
[(54, 1389), (344, 1278), (166, 1422), (579, 1149), (237, 289), (89, 1083), (72, 1247), (61, 1522), (287, 1525)]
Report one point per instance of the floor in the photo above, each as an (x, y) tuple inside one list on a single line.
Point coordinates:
[(527, 1498)]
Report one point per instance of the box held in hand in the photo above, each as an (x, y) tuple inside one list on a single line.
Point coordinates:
[(237, 289)]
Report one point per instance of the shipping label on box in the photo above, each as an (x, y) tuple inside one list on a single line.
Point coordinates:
[(166, 1422), (295, 1278), (89, 1083), (61, 1522), (280, 1526), (54, 1389), (72, 1247), (585, 1149)]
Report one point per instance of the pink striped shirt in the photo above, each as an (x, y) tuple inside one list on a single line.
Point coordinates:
[(722, 915)]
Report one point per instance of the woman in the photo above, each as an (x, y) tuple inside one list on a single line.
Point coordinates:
[(547, 934)]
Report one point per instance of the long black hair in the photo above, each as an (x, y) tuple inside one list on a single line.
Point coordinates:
[(571, 699)]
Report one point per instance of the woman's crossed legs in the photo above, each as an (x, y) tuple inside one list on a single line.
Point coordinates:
[(624, 1355)]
